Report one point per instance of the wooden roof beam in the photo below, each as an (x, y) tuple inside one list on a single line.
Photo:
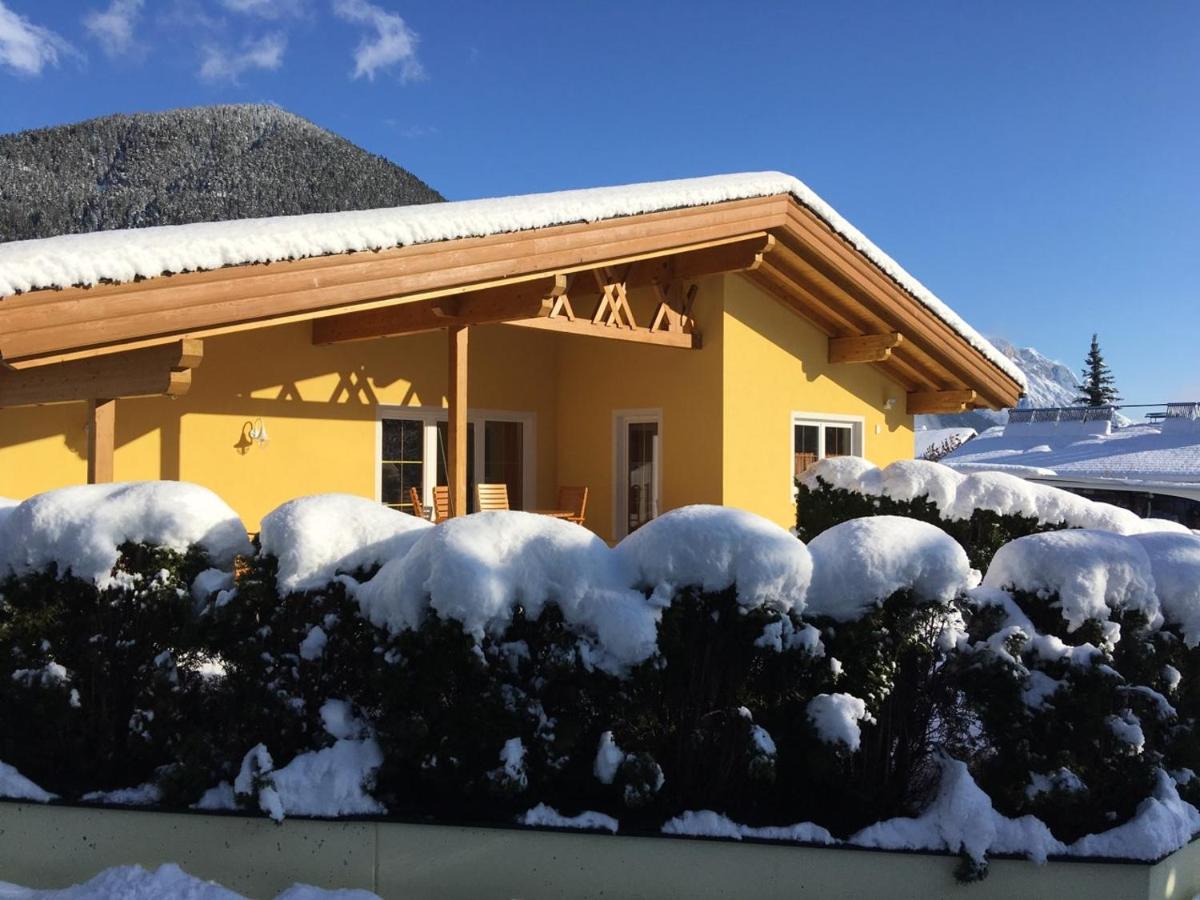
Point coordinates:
[(525, 299), (685, 340), (865, 348), (162, 370), (922, 403)]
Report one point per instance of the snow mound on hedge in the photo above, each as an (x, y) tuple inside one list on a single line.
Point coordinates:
[(707, 823), (80, 528), (1090, 571), (476, 569), (1175, 564), (714, 548), (136, 883), (958, 496), (544, 816), (961, 820), (836, 718), (316, 537), (1163, 823), (16, 786), (860, 563)]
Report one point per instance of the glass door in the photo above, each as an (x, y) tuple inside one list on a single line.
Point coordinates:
[(639, 456)]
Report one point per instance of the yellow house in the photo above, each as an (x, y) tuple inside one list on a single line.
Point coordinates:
[(663, 344)]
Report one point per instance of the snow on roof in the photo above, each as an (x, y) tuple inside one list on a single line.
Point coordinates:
[(927, 439), (127, 254), (1148, 452)]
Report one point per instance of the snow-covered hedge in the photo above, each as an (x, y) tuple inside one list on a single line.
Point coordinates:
[(981, 511), (709, 674)]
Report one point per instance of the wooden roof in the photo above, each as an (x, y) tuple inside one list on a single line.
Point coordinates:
[(779, 243)]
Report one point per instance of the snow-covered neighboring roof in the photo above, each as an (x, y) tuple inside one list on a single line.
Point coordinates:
[(1143, 453), (123, 255), (926, 439)]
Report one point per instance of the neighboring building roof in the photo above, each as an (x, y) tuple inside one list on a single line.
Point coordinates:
[(127, 255), (927, 439), (1165, 452)]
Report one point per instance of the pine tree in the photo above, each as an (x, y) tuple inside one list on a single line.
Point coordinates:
[(1099, 386)]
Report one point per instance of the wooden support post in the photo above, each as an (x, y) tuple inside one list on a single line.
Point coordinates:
[(102, 420), (456, 397)]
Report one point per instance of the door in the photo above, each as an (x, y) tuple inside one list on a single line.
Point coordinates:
[(639, 455)]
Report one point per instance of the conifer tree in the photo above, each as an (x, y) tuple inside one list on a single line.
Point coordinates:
[(1099, 387)]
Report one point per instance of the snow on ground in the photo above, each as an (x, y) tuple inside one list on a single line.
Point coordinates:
[(1175, 565), (476, 569), (958, 496), (547, 817), (714, 548), (80, 528), (16, 786), (316, 537), (124, 255), (1091, 572), (860, 563), (167, 881)]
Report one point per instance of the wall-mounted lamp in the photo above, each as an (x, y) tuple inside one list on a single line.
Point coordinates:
[(258, 433), (889, 403)]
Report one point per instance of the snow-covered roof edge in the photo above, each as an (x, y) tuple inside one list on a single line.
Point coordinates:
[(123, 255)]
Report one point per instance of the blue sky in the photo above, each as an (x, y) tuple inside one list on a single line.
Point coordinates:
[(1036, 164)]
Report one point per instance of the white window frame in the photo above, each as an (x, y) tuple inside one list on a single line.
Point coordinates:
[(430, 416), (858, 432), (622, 419)]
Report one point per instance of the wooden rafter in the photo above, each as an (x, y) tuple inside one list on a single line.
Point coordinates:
[(587, 328), (865, 348), (525, 299), (922, 403), (162, 370), (674, 312)]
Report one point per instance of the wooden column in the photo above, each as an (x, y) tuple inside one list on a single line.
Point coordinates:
[(101, 428), (456, 396)]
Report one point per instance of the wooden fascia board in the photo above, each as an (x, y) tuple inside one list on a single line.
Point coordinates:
[(527, 299), (47, 324), (856, 274), (162, 370)]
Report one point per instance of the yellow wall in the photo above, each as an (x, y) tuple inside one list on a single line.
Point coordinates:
[(599, 377), (319, 405), (726, 410), (775, 366)]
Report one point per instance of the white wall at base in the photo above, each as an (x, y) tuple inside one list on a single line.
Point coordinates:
[(54, 846)]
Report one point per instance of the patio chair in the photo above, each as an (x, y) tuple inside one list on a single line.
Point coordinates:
[(574, 499), (441, 503), (491, 496), (418, 508)]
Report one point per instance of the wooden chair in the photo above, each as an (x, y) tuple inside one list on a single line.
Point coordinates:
[(574, 499), (418, 508), (491, 496), (441, 502)]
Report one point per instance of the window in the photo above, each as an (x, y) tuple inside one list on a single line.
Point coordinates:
[(413, 453), (821, 437)]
